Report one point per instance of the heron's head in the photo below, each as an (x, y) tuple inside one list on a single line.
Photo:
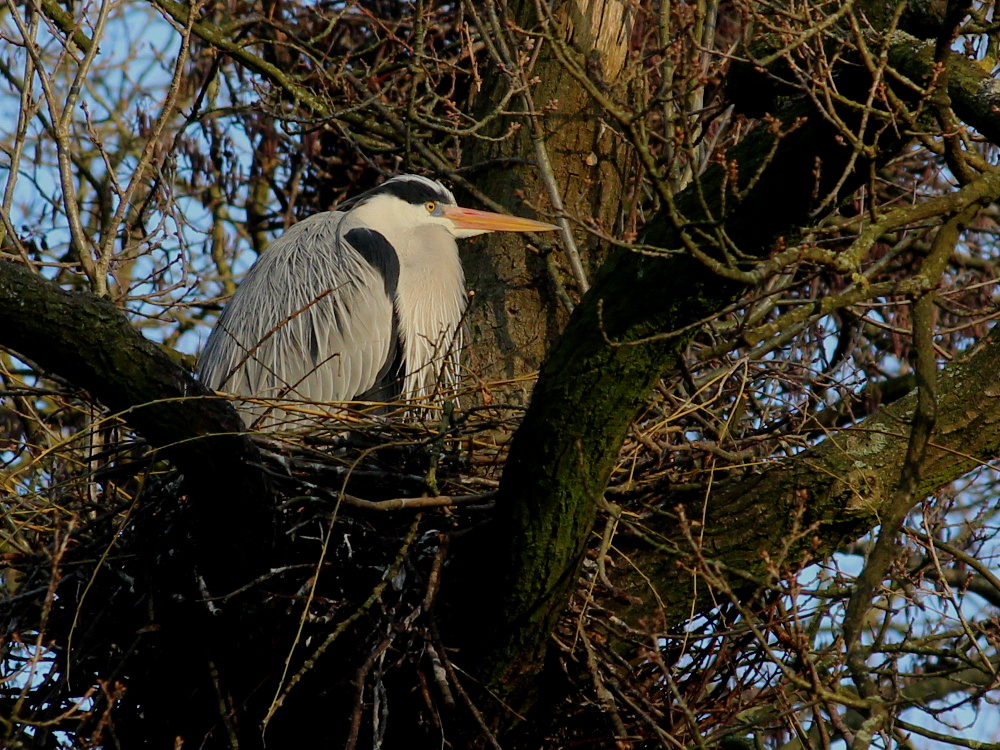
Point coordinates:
[(412, 202)]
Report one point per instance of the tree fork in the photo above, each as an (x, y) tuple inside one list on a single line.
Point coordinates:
[(604, 365)]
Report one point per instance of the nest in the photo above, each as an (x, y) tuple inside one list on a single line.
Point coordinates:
[(366, 509)]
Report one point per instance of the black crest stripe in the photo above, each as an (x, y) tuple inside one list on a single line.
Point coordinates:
[(412, 191)]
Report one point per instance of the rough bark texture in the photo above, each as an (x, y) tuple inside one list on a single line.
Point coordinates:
[(224, 529), (88, 342), (972, 91), (516, 314), (589, 391), (805, 508), (587, 395)]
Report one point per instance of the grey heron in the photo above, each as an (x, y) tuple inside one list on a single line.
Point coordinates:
[(360, 304)]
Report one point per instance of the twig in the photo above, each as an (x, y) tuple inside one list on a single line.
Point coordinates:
[(282, 692), (359, 685), (403, 503)]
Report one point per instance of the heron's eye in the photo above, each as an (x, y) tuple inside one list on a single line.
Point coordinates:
[(431, 206)]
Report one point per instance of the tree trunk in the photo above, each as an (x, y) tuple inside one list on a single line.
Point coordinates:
[(607, 360), (517, 312)]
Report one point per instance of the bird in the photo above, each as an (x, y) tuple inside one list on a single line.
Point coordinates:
[(361, 304)]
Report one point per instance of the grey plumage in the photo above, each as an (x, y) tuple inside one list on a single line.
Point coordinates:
[(360, 304)]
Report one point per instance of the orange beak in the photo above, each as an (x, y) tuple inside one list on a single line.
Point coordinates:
[(487, 221)]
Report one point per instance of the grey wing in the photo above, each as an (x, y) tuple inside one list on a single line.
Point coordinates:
[(311, 322)]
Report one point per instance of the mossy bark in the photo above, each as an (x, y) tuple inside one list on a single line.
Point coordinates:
[(803, 509), (88, 341), (517, 314), (602, 368), (226, 532), (588, 393)]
